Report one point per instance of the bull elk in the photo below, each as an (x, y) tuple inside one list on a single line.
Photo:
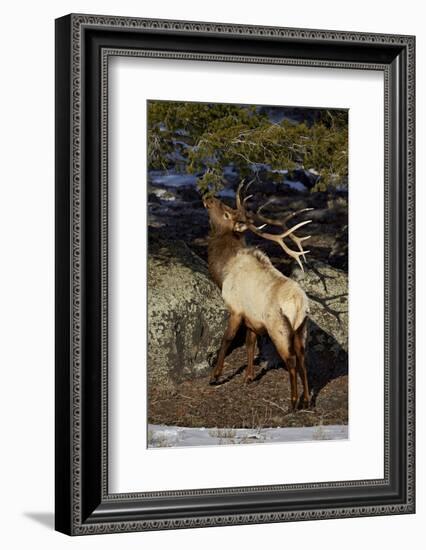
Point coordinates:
[(254, 291)]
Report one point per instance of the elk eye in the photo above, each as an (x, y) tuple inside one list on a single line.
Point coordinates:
[(227, 216)]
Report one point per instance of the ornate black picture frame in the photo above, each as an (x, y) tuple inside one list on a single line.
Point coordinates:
[(83, 45)]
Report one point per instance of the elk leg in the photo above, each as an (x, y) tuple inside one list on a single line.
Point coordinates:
[(234, 322), (284, 346), (300, 355), (250, 343), (291, 365)]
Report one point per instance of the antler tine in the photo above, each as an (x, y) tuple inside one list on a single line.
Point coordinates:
[(293, 253), (279, 239), (298, 240), (271, 221), (290, 231), (250, 183), (293, 214), (240, 202), (238, 195)]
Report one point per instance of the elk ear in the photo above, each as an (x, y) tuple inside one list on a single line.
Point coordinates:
[(240, 227)]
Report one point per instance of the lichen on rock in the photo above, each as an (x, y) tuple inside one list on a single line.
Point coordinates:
[(186, 313)]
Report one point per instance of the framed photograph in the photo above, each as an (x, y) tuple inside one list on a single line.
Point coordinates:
[(234, 274)]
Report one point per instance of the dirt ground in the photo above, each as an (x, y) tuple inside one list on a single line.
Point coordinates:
[(233, 404)]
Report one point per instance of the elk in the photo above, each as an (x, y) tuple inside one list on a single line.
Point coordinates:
[(254, 291)]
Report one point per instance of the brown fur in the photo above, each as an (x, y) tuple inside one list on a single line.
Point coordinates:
[(221, 248)]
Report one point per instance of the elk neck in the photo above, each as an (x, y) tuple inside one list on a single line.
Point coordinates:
[(222, 246)]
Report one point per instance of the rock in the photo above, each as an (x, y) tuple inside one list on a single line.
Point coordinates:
[(308, 177), (338, 256), (188, 194), (152, 198), (327, 290), (186, 313), (327, 345)]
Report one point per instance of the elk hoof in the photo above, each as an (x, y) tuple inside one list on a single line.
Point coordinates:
[(303, 405), (248, 379), (213, 380)]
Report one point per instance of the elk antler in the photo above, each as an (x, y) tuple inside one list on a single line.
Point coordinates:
[(271, 221), (278, 238)]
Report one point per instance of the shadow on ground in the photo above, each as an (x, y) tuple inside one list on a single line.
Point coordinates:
[(326, 360)]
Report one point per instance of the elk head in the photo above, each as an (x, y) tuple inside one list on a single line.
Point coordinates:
[(224, 219)]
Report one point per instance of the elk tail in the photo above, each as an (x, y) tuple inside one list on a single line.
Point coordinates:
[(302, 325), (290, 331)]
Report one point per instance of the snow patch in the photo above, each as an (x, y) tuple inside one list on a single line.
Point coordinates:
[(173, 180), (160, 436), (297, 185)]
